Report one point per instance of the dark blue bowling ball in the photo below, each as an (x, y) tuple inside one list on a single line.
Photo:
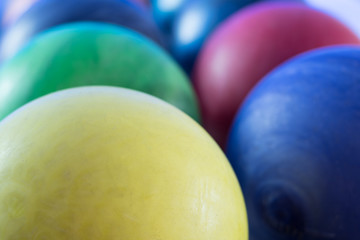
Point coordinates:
[(49, 13), (194, 23), (295, 147)]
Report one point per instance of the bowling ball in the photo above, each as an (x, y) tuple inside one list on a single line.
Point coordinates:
[(295, 148), (13, 9), (193, 24), (46, 14), (250, 44), (165, 11), (92, 54), (109, 163)]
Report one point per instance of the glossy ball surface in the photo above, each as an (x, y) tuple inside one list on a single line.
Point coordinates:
[(193, 24), (165, 12)]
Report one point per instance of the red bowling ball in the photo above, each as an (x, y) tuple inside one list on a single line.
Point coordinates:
[(250, 44)]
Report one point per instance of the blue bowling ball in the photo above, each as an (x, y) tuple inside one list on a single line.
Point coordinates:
[(295, 147), (49, 13), (165, 11), (193, 24)]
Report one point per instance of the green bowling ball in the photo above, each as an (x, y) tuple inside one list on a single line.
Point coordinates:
[(85, 54)]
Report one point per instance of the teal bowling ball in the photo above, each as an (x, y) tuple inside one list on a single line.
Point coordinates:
[(165, 11), (85, 54), (193, 24)]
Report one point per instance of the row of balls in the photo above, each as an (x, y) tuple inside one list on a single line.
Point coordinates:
[(241, 49), (103, 162), (131, 160)]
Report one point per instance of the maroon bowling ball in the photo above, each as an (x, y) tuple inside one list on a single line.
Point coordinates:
[(250, 44)]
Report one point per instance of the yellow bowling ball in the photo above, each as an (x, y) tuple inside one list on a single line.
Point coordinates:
[(104, 163)]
